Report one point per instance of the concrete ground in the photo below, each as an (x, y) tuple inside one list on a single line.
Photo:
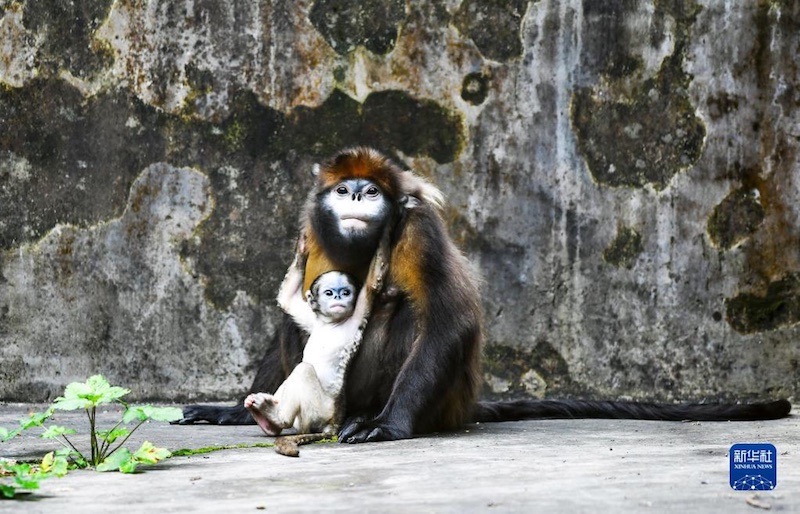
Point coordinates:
[(546, 466)]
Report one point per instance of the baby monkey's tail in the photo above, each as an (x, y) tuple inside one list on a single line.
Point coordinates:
[(289, 444)]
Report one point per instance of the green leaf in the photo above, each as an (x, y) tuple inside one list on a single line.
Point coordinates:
[(53, 465), (60, 467), (27, 481), (115, 460), (24, 477), (7, 491), (7, 435), (47, 462), (150, 454), (103, 392), (55, 431), (129, 466), (145, 412), (95, 391), (36, 419), (68, 454), (136, 413), (62, 403), (112, 435)]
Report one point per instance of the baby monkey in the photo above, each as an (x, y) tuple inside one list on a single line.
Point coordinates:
[(331, 314)]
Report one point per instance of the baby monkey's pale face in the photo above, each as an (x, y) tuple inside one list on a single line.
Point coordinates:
[(335, 295)]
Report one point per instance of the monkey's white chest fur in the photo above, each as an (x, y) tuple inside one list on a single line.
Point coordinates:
[(329, 349)]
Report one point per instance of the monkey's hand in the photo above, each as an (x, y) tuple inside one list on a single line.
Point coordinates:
[(290, 290), (366, 431), (377, 273), (300, 253), (302, 244)]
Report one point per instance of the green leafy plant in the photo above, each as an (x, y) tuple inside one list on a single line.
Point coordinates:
[(107, 446), (16, 476)]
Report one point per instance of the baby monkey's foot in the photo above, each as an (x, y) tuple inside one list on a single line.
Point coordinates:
[(263, 408)]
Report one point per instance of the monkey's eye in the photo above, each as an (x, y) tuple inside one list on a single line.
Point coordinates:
[(328, 292), (342, 190), (346, 292), (372, 191)]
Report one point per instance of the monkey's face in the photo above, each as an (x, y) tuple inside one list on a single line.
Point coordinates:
[(333, 296), (357, 205)]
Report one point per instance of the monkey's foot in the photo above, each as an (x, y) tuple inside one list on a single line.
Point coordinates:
[(262, 407), (365, 431)]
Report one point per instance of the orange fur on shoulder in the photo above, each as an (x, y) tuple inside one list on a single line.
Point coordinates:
[(404, 268)]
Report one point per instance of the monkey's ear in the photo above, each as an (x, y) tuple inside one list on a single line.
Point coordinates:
[(310, 298), (410, 202), (315, 169)]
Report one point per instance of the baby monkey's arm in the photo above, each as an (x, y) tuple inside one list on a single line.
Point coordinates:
[(290, 299)]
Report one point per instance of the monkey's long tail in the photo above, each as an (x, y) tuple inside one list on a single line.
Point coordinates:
[(569, 409)]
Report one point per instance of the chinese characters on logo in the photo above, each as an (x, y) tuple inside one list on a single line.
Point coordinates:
[(753, 467)]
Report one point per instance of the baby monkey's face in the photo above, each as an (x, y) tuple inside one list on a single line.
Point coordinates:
[(335, 295)]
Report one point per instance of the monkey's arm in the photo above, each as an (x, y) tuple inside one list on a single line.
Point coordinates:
[(372, 286), (290, 299), (362, 306)]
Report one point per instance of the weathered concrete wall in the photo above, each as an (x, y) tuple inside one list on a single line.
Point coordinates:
[(624, 173)]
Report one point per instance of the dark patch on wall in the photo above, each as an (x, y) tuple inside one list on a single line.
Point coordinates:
[(79, 158), (736, 218), (493, 25), (475, 88), (388, 120), (416, 127), (346, 24), (511, 364), (68, 28), (762, 53), (645, 136), (606, 38), (774, 65), (646, 139), (721, 105), (624, 249), (778, 307), (775, 249)]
